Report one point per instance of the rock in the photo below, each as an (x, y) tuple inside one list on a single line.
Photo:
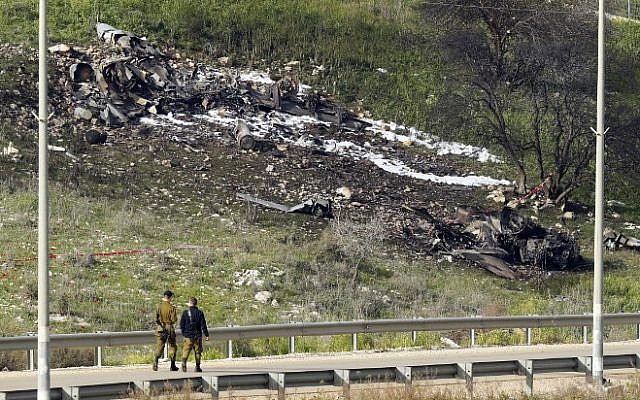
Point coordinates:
[(83, 113), (497, 196), (344, 191), (263, 296), (250, 277), (59, 48), (95, 137)]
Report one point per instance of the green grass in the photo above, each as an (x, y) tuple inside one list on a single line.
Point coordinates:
[(120, 293), (100, 213), (351, 39)]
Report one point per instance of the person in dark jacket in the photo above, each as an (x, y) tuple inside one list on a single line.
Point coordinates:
[(193, 326)]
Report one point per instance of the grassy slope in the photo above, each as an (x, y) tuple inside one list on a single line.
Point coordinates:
[(351, 39), (358, 37)]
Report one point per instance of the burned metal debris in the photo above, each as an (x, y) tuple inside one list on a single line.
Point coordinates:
[(614, 241), (126, 40), (509, 245), (317, 207), (139, 80)]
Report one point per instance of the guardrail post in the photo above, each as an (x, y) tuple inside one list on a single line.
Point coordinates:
[(166, 350), (31, 364), (292, 344), (354, 341), (229, 348), (472, 337), (144, 387), (529, 336), (71, 393), (585, 364), (403, 375), (414, 335), (638, 332), (465, 371), (97, 356), (526, 367), (210, 384), (277, 382), (342, 378), (585, 333)]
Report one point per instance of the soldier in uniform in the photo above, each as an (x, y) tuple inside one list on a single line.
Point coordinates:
[(193, 326), (166, 317)]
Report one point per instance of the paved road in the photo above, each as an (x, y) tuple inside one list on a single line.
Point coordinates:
[(301, 362)]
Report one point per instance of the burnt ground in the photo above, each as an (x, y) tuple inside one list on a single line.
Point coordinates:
[(195, 172)]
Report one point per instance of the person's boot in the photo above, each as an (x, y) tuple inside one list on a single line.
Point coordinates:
[(198, 369), (184, 365), (154, 366), (173, 366)]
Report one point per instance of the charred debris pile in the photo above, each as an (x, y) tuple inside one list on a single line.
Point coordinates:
[(136, 79), (505, 243)]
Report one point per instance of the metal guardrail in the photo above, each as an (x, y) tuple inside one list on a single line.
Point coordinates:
[(110, 339), (278, 382)]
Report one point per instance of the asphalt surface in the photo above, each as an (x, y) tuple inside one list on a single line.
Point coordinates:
[(24, 380)]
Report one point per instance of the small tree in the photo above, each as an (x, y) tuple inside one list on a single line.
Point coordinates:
[(523, 68)]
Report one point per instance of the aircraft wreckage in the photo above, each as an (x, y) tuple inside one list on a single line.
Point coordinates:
[(139, 80), (144, 81), (509, 245)]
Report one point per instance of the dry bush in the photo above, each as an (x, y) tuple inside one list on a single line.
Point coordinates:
[(64, 358), (12, 361), (356, 242), (204, 257)]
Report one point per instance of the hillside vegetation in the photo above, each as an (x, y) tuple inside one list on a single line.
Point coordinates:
[(200, 245), (351, 39)]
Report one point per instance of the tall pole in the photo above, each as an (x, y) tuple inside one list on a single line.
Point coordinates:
[(597, 363), (44, 378), (628, 8)]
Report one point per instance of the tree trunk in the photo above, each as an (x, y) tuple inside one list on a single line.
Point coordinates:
[(521, 180)]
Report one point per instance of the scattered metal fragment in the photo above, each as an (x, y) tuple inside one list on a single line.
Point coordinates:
[(81, 72), (317, 207), (12, 152), (126, 40), (244, 138), (614, 241), (112, 116)]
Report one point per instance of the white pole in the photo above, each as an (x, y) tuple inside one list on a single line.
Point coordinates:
[(597, 364), (44, 379)]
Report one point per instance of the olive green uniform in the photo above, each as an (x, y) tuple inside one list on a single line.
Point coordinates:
[(194, 344), (166, 317)]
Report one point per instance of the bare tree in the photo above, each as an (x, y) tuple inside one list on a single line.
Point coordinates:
[(522, 69)]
